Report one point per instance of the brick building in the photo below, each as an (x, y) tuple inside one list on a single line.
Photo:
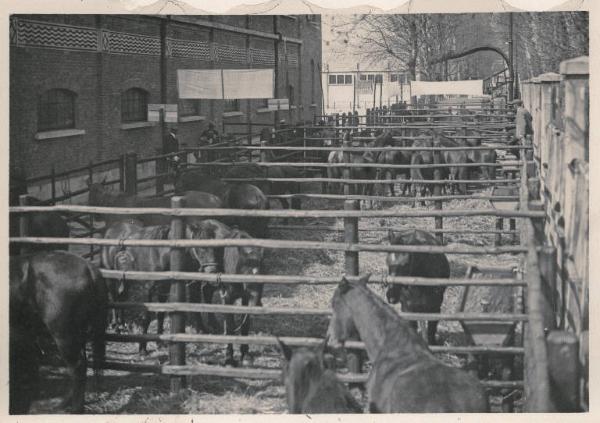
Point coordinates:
[(80, 84)]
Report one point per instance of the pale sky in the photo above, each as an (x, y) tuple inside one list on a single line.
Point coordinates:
[(220, 6)]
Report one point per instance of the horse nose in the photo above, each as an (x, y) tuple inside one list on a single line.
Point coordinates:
[(255, 270), (392, 297)]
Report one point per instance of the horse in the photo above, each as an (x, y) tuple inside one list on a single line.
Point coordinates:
[(99, 195), (454, 157), (425, 157), (234, 196), (310, 388), (405, 376), (394, 158), (418, 299), (153, 259), (40, 224), (236, 260), (64, 295)]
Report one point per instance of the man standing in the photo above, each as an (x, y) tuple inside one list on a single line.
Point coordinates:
[(208, 137), (171, 145), (524, 127)]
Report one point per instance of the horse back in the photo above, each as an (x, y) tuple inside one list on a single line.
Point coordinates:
[(424, 386)]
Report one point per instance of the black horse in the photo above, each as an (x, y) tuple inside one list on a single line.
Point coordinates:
[(64, 295), (311, 388), (40, 224)]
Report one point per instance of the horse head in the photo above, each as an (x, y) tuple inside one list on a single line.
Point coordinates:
[(341, 326), (242, 260), (209, 259), (300, 368), (98, 192)]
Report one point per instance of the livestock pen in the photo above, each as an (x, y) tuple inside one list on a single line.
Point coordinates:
[(310, 266)]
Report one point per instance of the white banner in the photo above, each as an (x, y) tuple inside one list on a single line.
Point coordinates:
[(473, 88), (225, 84), (248, 83), (195, 84)]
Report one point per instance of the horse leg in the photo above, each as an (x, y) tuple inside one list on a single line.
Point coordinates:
[(228, 299), (252, 298), (73, 353), (143, 351), (431, 331)]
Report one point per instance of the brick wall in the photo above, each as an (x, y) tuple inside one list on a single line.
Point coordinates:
[(39, 62)]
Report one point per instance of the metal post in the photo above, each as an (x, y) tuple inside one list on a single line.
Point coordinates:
[(53, 183), (91, 215), (351, 266), (24, 223), (177, 350), (347, 172), (122, 173), (437, 191), (510, 59), (548, 270)]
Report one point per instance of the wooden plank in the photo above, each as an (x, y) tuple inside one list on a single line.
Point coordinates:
[(276, 244)]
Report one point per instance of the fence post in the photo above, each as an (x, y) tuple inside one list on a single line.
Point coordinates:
[(548, 270), (177, 350), (563, 364), (24, 224), (352, 268), (347, 172), (437, 191), (131, 173)]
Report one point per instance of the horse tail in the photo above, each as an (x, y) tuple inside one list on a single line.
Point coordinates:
[(98, 320)]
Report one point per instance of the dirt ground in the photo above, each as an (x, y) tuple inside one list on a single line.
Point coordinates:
[(134, 393)]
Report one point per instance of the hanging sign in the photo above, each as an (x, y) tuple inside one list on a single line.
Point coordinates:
[(278, 104)]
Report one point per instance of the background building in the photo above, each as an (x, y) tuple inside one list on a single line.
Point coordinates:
[(80, 84)]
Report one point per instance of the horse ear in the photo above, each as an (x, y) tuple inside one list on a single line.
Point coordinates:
[(364, 279), (285, 350), (344, 285)]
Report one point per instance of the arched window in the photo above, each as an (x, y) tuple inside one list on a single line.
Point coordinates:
[(56, 110), (134, 105)]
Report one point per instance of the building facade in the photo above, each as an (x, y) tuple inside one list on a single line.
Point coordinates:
[(80, 85), (347, 90)]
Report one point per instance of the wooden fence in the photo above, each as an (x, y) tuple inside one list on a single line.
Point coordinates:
[(559, 104), (537, 375)]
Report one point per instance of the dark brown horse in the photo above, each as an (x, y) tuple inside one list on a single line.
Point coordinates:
[(100, 195), (417, 299), (40, 224), (153, 259), (235, 260), (309, 387), (405, 376), (64, 295), (234, 196)]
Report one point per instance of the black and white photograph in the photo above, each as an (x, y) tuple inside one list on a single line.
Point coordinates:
[(297, 207)]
